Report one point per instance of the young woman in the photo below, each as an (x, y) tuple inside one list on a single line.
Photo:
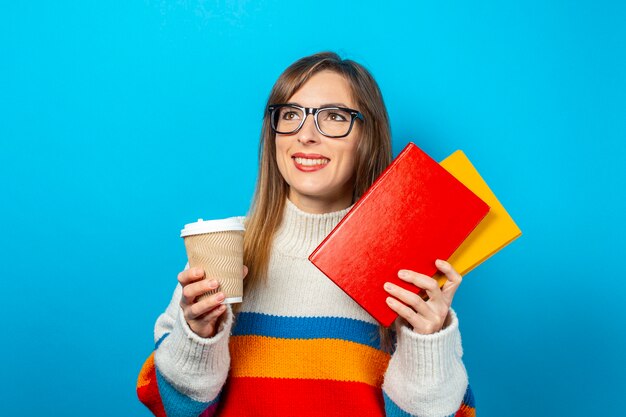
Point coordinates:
[(298, 345)]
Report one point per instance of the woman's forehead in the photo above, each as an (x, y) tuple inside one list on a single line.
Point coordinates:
[(326, 88)]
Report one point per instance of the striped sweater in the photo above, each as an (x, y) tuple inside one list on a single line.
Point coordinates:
[(301, 347)]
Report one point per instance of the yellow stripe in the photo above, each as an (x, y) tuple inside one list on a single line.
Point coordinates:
[(338, 360)]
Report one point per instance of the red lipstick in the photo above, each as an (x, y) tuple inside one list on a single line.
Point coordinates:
[(309, 162)]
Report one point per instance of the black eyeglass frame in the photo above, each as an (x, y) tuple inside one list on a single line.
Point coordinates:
[(355, 114)]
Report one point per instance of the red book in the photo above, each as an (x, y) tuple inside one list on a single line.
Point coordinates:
[(415, 212)]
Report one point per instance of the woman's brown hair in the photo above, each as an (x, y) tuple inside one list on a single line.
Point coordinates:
[(373, 152)]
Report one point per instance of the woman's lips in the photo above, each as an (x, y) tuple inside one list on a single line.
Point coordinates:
[(309, 163)]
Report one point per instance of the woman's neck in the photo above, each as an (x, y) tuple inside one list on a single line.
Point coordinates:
[(315, 205), (301, 232)]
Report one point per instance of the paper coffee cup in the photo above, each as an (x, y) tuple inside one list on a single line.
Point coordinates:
[(217, 247)]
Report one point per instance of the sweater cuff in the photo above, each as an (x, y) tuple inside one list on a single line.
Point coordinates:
[(426, 373), (430, 357), (194, 365)]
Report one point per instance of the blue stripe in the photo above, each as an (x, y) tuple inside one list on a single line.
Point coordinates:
[(392, 409), (468, 399), (156, 345), (257, 324), (177, 404)]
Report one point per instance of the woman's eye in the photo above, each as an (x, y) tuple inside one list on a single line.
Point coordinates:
[(289, 115), (336, 117)]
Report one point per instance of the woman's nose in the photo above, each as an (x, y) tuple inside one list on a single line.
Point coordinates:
[(308, 132)]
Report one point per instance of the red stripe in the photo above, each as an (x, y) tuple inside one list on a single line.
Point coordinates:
[(148, 390), (466, 411), (271, 397)]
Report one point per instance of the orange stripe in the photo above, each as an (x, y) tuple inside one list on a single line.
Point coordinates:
[(333, 359), (147, 372)]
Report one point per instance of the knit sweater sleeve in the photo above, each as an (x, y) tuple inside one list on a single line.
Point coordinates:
[(426, 376), (184, 375)]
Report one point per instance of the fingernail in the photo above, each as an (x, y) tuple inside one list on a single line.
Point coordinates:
[(387, 286), (213, 284), (403, 273), (439, 262), (198, 272), (390, 300), (219, 297)]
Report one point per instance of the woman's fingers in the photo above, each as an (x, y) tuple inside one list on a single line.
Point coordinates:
[(196, 289), (409, 299), (203, 317), (454, 279), (425, 317), (403, 310), (201, 314), (190, 275), (216, 312), (204, 306), (422, 281), (424, 324)]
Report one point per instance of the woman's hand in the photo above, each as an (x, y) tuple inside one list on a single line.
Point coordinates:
[(202, 316), (426, 317)]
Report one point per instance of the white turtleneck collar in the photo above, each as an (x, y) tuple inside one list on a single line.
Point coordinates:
[(300, 233)]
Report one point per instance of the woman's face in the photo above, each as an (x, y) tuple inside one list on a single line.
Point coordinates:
[(318, 169)]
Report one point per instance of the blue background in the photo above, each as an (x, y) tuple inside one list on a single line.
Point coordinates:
[(122, 120)]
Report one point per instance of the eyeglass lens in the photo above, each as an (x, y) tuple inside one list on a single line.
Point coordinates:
[(331, 121)]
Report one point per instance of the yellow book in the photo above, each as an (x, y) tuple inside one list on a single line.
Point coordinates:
[(493, 233)]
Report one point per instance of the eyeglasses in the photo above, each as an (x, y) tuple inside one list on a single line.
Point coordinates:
[(332, 122)]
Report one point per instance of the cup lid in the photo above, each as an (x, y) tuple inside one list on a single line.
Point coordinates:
[(211, 226)]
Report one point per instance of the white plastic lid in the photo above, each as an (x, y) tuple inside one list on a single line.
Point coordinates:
[(211, 226)]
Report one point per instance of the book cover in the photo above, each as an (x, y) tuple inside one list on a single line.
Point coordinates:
[(413, 214), (493, 233)]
